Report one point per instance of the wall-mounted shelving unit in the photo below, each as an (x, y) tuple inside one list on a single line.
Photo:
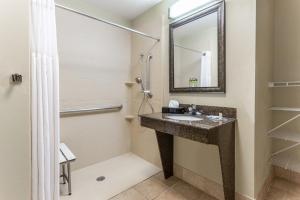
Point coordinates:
[(287, 135), (288, 109), (290, 162), (285, 84), (284, 123), (279, 158)]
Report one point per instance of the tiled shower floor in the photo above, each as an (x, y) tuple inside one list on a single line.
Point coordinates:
[(121, 173)]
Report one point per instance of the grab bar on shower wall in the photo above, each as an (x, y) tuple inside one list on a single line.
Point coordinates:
[(105, 109)]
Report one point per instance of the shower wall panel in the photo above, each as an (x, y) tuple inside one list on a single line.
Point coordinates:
[(95, 61)]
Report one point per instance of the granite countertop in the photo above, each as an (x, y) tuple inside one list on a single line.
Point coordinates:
[(205, 124)]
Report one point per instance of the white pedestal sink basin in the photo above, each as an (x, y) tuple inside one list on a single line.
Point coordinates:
[(183, 118)]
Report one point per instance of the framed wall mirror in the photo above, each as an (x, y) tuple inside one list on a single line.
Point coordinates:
[(197, 51)]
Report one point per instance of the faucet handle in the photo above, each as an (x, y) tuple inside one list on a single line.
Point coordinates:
[(192, 109)]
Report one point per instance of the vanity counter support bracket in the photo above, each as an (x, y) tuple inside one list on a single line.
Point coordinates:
[(166, 148), (223, 137), (226, 145)]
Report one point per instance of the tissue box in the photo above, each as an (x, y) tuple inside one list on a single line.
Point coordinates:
[(179, 110)]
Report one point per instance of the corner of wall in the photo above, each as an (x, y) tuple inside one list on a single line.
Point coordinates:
[(263, 94)]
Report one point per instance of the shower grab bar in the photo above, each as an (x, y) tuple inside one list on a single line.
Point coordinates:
[(104, 109)]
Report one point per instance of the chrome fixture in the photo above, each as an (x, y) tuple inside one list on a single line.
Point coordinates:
[(192, 109), (189, 49), (145, 81), (100, 178), (139, 80), (16, 78), (107, 22), (147, 75), (105, 109), (145, 88)]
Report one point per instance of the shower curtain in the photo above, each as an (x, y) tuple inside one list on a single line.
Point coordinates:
[(206, 62), (45, 101)]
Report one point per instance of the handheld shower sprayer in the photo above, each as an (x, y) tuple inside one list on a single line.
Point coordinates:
[(139, 80), (145, 86)]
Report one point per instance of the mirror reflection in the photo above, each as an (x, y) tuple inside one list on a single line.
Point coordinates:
[(196, 53)]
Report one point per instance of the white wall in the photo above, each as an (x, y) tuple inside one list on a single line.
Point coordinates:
[(240, 72), (14, 101), (94, 65), (92, 9)]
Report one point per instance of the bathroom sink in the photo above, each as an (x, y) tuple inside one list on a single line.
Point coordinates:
[(183, 118)]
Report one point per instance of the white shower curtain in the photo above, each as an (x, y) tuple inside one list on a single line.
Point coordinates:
[(45, 101), (205, 79)]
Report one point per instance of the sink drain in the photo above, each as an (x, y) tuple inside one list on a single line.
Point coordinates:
[(100, 178)]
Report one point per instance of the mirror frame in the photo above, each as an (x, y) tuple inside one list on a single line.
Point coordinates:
[(219, 8)]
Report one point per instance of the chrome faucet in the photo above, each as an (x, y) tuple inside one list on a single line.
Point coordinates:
[(192, 109)]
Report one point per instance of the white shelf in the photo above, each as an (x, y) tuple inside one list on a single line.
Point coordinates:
[(287, 161), (284, 84), (129, 117), (289, 109), (129, 83), (286, 135)]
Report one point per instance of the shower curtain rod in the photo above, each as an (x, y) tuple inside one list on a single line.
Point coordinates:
[(189, 49), (107, 22)]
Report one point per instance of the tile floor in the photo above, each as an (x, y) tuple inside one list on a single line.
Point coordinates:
[(156, 188), (282, 189)]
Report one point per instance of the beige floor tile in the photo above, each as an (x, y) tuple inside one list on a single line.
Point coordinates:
[(169, 182), (151, 188), (170, 194), (187, 191), (275, 194), (294, 189), (290, 196), (295, 177), (281, 184), (282, 173), (130, 194), (207, 197)]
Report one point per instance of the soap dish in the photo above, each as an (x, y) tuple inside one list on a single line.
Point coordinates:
[(129, 117)]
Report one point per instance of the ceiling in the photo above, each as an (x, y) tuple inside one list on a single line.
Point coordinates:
[(128, 9)]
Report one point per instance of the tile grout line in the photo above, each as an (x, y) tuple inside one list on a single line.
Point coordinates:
[(152, 177)]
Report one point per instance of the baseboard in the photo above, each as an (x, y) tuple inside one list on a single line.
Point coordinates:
[(210, 187), (287, 174), (266, 186)]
